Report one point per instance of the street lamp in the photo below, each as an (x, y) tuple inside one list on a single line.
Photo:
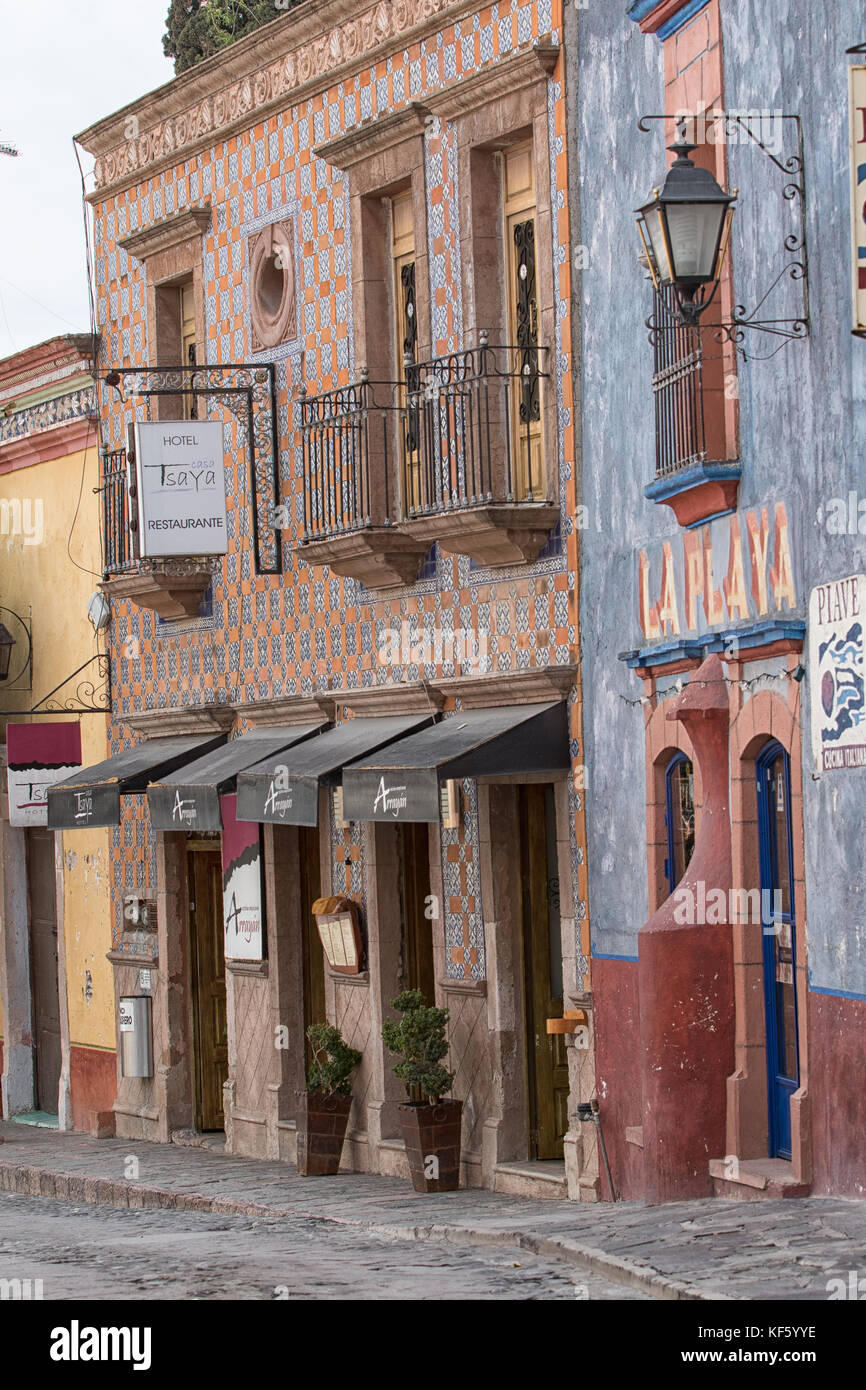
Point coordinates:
[(684, 234)]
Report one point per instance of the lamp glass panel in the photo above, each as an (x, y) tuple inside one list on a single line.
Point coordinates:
[(694, 230), (655, 227)]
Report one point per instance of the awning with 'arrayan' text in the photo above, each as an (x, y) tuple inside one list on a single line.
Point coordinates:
[(402, 781), (285, 789), (189, 799)]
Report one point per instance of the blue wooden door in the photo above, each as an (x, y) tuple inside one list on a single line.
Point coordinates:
[(779, 937)]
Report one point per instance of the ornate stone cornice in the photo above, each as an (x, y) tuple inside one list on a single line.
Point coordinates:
[(281, 62), (521, 68), (195, 719), (374, 137), (168, 232), (511, 688), (66, 355), (70, 438), (411, 698), (47, 415), (263, 714)]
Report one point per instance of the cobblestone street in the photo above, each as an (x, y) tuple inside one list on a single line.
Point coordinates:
[(92, 1252), (471, 1242)]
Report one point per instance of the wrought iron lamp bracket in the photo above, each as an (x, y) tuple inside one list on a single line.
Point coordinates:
[(92, 694), (796, 263), (248, 391)]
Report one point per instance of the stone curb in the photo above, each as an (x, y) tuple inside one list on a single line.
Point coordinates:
[(29, 1181), (615, 1267)]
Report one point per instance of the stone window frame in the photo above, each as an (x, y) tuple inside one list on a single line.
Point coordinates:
[(382, 160), (491, 111), (171, 254)]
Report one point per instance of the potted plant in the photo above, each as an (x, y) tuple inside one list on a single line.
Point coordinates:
[(430, 1125), (323, 1109)]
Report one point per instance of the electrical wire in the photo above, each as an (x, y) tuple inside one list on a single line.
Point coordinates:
[(46, 307), (680, 686), (83, 568), (88, 256)]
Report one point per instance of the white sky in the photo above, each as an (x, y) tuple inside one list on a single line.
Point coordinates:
[(65, 64)]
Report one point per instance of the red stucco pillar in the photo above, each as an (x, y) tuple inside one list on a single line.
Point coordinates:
[(686, 978)]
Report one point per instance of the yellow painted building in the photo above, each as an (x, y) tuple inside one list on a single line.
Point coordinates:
[(57, 1029)]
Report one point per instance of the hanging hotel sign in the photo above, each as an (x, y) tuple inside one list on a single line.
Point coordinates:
[(242, 886), (857, 96), (180, 471), (736, 569), (837, 668), (38, 755)]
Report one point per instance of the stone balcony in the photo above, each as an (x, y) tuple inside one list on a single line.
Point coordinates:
[(453, 454)]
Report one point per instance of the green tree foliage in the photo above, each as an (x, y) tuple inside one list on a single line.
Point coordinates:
[(419, 1038), (196, 29), (333, 1061)]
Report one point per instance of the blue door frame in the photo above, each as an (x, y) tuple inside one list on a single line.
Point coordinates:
[(779, 941), (673, 871)]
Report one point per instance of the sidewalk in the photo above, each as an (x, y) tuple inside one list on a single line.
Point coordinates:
[(709, 1249)]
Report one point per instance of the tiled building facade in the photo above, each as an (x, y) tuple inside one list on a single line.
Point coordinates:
[(266, 187)]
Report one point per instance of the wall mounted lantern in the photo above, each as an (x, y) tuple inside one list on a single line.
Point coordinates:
[(7, 642), (684, 229), (686, 225)]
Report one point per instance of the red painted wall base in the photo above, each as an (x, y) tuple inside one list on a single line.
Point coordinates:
[(837, 1062), (93, 1078)]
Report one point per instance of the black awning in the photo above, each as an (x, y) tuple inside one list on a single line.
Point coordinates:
[(285, 789), (402, 782), (189, 799), (92, 796)]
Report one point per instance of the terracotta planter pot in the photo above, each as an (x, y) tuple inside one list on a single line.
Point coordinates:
[(322, 1121), (433, 1132)]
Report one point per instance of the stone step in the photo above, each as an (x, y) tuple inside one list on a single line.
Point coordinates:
[(526, 1178), (756, 1179)]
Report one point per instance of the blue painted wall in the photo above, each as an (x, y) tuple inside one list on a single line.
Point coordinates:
[(802, 420)]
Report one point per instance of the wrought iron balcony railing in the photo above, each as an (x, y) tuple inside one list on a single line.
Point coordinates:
[(677, 388), (117, 547), (459, 432)]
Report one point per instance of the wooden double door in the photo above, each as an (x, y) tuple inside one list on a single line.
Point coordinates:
[(208, 970), (208, 980), (413, 881), (546, 1057)]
